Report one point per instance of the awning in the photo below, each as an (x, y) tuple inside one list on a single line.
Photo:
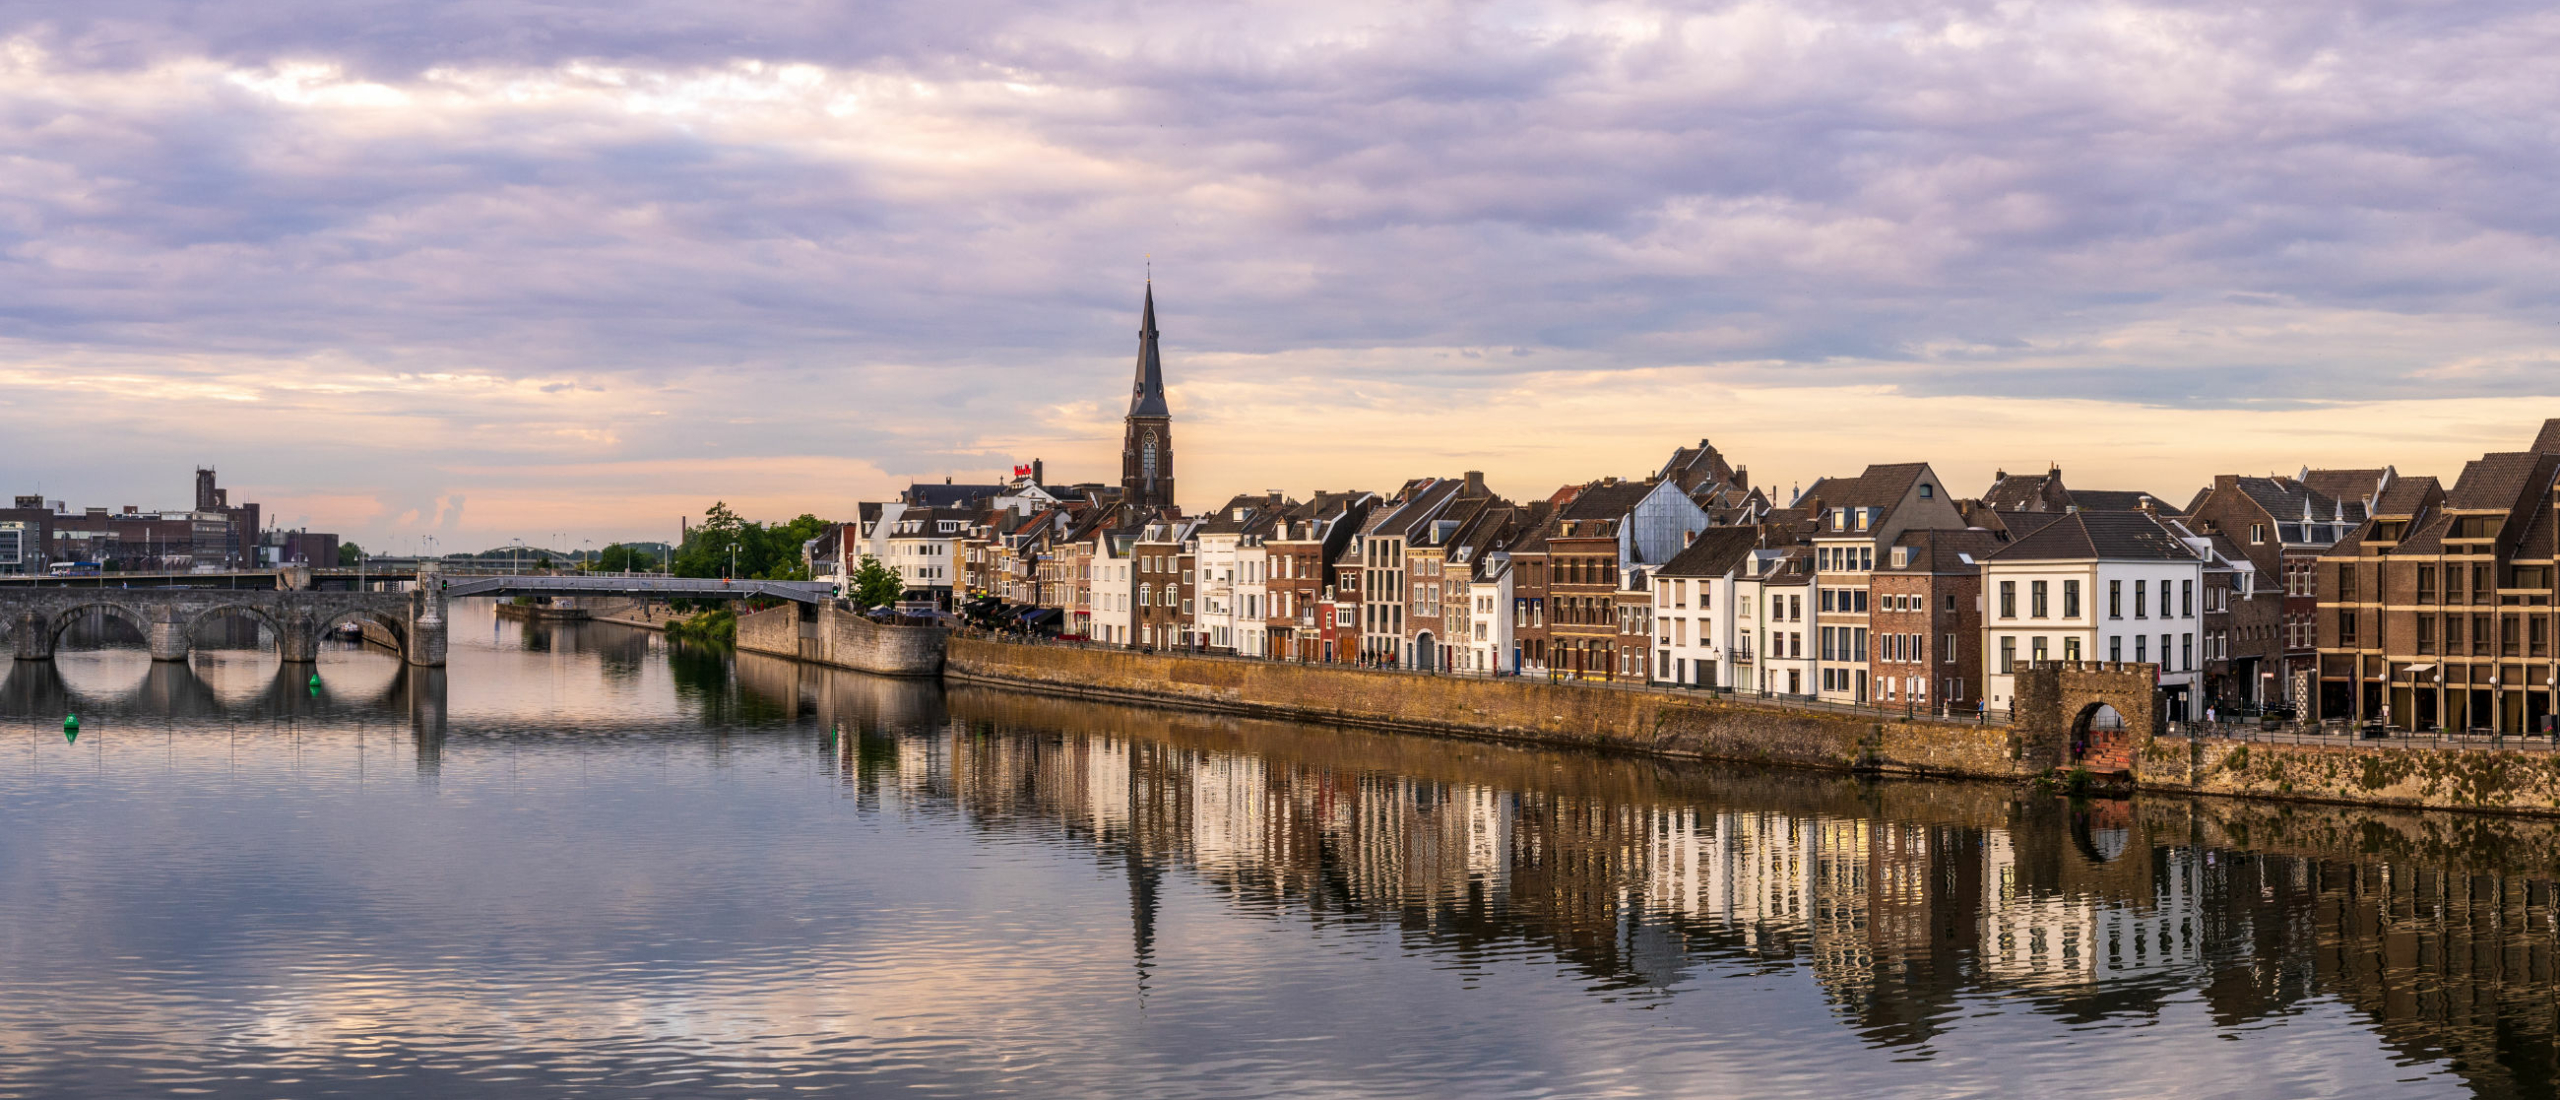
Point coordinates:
[(2416, 669)]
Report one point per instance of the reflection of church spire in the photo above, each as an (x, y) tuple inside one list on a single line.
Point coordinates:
[(1144, 875)]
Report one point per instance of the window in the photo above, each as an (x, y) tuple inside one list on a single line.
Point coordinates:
[(2480, 584), (2115, 649), (2347, 628), (2187, 652), (1947, 648), (2115, 599), (2346, 582), (1951, 603), (2035, 599), (1901, 557), (1858, 596), (2008, 654), (1927, 491), (2035, 648), (2142, 647), (2071, 599), (2257, 534), (2186, 599), (2008, 599), (2427, 633), (2071, 649), (2541, 641), (2426, 584), (2142, 599)]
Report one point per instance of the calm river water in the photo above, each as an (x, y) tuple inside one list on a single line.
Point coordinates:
[(578, 863)]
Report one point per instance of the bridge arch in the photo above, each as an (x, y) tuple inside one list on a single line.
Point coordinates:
[(65, 617), (395, 624), (197, 618)]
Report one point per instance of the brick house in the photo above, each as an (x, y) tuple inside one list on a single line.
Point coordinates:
[(2283, 527), (2441, 616), (1925, 608), (1857, 520)]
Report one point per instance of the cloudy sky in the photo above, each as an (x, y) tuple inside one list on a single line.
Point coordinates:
[(557, 270)]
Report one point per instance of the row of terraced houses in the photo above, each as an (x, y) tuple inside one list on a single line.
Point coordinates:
[(2355, 594)]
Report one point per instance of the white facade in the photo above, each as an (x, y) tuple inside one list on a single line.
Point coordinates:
[(1776, 622), (1114, 596), (1694, 621), (1488, 628), (1252, 596), (1213, 616), (2092, 610)]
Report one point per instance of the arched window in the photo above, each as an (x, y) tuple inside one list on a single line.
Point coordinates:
[(1144, 592), (1147, 458)]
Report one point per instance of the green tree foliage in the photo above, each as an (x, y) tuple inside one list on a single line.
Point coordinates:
[(762, 552), (874, 584), (350, 553), (617, 558)]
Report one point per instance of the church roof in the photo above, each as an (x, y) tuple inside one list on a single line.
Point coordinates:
[(1146, 395)]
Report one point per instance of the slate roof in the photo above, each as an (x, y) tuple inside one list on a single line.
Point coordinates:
[(2021, 524), (925, 494), (2548, 440), (1146, 393), (2110, 536), (2494, 482), (1714, 553), (2118, 500), (2021, 492), (2406, 496), (2342, 484), (1943, 551)]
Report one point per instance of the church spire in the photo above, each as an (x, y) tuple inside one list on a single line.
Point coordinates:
[(1146, 396)]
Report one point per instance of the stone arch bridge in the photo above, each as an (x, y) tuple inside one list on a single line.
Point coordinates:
[(34, 618), (33, 615)]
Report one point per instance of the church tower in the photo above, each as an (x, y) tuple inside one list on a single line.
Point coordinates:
[(1146, 453)]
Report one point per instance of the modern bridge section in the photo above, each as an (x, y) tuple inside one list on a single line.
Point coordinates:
[(33, 618), (641, 585)]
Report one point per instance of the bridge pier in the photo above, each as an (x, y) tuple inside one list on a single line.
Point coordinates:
[(297, 639), (424, 647), (34, 636), (169, 634)]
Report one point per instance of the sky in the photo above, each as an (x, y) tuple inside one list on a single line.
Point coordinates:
[(565, 271)]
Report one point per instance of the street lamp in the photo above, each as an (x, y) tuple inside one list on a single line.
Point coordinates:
[(733, 561)]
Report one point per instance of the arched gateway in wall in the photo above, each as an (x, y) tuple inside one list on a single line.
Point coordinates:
[(2062, 710)]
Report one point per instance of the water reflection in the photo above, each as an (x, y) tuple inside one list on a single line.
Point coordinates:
[(630, 867)]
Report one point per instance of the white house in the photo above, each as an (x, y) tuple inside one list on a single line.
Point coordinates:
[(2095, 586), (1772, 615), (1694, 612)]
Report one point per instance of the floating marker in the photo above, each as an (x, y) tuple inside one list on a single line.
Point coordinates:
[(315, 681), (70, 728)]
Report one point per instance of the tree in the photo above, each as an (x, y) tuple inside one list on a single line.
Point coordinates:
[(768, 553), (618, 558), (874, 584), (350, 554)]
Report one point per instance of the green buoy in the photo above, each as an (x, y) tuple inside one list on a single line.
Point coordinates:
[(70, 728), (315, 681)]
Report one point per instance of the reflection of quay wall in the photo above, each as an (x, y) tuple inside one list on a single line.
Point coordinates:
[(839, 701), (823, 634), (1521, 710), (626, 611)]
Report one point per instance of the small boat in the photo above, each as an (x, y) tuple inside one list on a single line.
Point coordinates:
[(349, 631)]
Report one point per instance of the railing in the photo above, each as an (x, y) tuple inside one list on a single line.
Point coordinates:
[(2346, 732)]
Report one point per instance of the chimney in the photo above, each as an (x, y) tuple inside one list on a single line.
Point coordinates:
[(1475, 485), (1036, 477)]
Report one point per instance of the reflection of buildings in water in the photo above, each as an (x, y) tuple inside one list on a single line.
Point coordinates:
[(2053, 938), (1896, 919)]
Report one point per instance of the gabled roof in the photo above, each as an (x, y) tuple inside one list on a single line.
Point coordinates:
[(1714, 553), (2103, 536), (2026, 492), (2495, 482), (2548, 440), (2119, 500), (2022, 524), (2355, 485), (925, 494), (1942, 551), (2408, 495)]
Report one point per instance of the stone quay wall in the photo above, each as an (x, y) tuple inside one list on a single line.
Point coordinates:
[(1530, 711), (827, 635), (1699, 726)]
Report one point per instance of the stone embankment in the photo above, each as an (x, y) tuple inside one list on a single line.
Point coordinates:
[(827, 635), (1681, 724)]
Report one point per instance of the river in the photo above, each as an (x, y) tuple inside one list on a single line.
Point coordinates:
[(578, 862)]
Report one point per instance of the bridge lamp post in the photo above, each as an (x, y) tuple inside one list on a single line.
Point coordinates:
[(733, 561)]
